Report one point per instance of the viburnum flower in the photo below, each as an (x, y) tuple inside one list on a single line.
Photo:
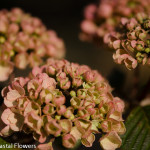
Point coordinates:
[(64, 99), (131, 41), (24, 40), (103, 17)]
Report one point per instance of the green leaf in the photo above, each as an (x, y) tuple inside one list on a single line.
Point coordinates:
[(3, 142), (137, 136)]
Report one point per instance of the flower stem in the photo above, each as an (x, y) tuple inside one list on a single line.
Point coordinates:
[(135, 88), (145, 91)]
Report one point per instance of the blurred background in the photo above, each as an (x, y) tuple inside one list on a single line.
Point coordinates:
[(64, 16)]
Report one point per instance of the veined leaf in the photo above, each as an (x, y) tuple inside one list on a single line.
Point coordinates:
[(137, 136)]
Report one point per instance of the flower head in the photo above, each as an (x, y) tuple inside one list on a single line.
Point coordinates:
[(100, 19), (64, 99), (131, 41), (24, 40)]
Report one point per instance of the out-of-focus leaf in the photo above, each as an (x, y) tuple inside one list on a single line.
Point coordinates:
[(137, 136), (3, 144)]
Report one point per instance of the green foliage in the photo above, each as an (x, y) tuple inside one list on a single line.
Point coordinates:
[(3, 142), (137, 136)]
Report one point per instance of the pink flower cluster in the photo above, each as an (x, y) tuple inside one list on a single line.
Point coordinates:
[(24, 40), (103, 18), (131, 41), (63, 99)]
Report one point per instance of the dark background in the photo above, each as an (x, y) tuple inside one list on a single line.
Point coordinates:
[(64, 16)]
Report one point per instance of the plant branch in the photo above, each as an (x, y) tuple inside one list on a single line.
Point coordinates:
[(144, 91), (135, 88)]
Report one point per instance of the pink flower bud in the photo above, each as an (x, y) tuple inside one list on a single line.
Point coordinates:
[(10, 118), (11, 98), (88, 26), (64, 84), (27, 28), (89, 77), (90, 11), (51, 70), (59, 100), (110, 141), (77, 82), (88, 142), (21, 60), (53, 128), (61, 75), (3, 26), (61, 109), (68, 141), (66, 125), (5, 70), (48, 109), (33, 121), (13, 28), (105, 10), (106, 126)]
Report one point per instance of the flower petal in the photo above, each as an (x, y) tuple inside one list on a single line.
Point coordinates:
[(13, 95), (66, 125), (68, 141), (110, 141), (88, 141), (53, 128), (5, 71)]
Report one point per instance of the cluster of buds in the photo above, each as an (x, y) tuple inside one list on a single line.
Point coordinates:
[(131, 41), (24, 40), (63, 99), (102, 18)]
